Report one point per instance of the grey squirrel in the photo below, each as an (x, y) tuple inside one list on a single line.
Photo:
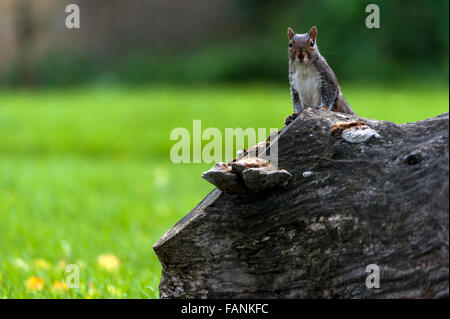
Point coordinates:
[(313, 82)]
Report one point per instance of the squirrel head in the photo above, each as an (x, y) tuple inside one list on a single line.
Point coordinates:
[(302, 47)]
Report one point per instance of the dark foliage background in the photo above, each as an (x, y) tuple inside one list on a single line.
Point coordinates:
[(139, 42)]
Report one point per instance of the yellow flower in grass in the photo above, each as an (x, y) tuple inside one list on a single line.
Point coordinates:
[(60, 286), (62, 264), (116, 292), (109, 262), (42, 264), (35, 283), (20, 263), (93, 292)]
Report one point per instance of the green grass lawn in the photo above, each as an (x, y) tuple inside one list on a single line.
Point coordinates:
[(87, 172)]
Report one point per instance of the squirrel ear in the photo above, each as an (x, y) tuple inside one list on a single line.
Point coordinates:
[(290, 33), (313, 33)]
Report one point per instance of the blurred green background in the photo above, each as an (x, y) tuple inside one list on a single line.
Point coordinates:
[(86, 115)]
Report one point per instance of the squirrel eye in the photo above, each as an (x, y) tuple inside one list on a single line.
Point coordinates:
[(290, 44), (311, 43)]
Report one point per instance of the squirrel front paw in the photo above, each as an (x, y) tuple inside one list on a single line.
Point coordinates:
[(324, 107), (289, 119)]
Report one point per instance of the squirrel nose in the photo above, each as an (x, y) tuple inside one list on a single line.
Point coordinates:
[(300, 55)]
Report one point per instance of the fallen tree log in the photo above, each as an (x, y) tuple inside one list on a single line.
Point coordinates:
[(383, 201)]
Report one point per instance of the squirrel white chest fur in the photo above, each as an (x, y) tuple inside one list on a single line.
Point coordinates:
[(306, 80)]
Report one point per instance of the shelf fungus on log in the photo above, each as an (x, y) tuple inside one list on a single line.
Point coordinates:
[(383, 202), (354, 131), (247, 175)]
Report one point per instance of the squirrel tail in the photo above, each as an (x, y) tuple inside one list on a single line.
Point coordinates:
[(341, 105)]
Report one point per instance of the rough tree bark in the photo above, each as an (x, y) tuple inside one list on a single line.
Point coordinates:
[(384, 202)]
